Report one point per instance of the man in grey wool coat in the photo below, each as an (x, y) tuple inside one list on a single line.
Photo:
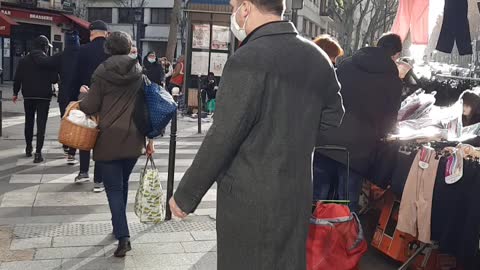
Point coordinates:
[(277, 93)]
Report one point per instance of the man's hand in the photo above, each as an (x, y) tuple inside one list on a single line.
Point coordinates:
[(150, 148), (176, 211), (14, 99), (84, 89)]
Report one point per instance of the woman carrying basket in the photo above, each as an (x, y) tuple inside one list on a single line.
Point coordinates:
[(115, 85)]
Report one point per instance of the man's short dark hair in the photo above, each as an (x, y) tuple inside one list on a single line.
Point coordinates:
[(276, 7), (118, 43), (391, 42)]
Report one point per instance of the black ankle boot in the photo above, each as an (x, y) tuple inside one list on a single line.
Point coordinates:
[(28, 151), (38, 158), (124, 246)]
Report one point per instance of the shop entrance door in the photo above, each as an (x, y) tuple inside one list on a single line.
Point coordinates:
[(22, 38)]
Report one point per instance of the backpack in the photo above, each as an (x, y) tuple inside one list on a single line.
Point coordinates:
[(154, 108)]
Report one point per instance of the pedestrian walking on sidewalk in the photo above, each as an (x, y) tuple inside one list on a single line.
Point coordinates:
[(277, 92), (90, 56), (64, 64), (36, 85), (115, 84)]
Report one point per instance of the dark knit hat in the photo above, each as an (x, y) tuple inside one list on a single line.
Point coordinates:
[(42, 42), (98, 25)]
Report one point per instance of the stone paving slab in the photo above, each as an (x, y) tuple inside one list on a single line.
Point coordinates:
[(18, 199), (7, 255), (151, 249), (80, 241), (205, 235), (99, 263), (200, 246), (163, 237), (168, 259), (77, 199), (33, 265), (69, 252), (39, 242)]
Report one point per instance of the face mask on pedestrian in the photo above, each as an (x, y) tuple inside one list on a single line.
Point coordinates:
[(133, 55), (238, 32), (151, 60)]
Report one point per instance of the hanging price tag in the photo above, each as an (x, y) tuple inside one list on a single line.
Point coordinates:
[(425, 155)]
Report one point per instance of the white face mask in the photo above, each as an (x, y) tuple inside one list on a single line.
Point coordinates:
[(133, 55), (238, 32), (151, 60)]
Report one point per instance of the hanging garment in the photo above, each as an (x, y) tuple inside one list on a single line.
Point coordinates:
[(455, 215), (455, 28), (416, 205), (412, 16)]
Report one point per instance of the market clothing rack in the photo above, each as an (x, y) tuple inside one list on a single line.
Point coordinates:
[(457, 77), (443, 148)]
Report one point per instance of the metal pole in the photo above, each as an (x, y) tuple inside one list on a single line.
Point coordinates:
[(199, 105), (138, 39), (171, 162)]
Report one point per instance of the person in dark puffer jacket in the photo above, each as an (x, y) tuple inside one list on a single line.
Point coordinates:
[(371, 90), (36, 84)]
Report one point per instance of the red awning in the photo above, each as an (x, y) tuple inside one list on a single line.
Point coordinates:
[(6, 24), (80, 22)]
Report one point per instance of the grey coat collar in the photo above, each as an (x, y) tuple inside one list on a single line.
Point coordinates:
[(272, 29)]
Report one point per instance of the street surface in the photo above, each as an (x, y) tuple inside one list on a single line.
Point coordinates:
[(49, 222)]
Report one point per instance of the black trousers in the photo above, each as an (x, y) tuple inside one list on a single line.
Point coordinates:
[(455, 28), (40, 108), (85, 166), (63, 107)]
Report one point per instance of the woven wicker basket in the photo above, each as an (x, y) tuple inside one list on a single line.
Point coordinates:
[(75, 136)]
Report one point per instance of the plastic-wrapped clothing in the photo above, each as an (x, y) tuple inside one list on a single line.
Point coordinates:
[(79, 118)]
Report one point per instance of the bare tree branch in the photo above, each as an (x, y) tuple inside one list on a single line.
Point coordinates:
[(363, 12), (172, 35)]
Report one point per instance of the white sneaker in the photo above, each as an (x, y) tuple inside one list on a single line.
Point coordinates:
[(98, 187), (71, 160), (82, 177)]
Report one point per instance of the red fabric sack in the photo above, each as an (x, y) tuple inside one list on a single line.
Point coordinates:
[(335, 239)]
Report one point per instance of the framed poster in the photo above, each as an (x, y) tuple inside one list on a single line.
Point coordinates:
[(199, 63), (217, 63), (201, 36), (220, 37), (6, 47)]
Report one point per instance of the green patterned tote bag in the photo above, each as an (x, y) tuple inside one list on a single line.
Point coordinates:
[(150, 200)]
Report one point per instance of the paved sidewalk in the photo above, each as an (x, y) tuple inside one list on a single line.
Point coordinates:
[(49, 222)]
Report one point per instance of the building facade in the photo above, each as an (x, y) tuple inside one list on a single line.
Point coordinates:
[(314, 19), (21, 21), (120, 15)]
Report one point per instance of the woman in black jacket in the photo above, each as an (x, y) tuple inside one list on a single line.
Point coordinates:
[(153, 69)]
